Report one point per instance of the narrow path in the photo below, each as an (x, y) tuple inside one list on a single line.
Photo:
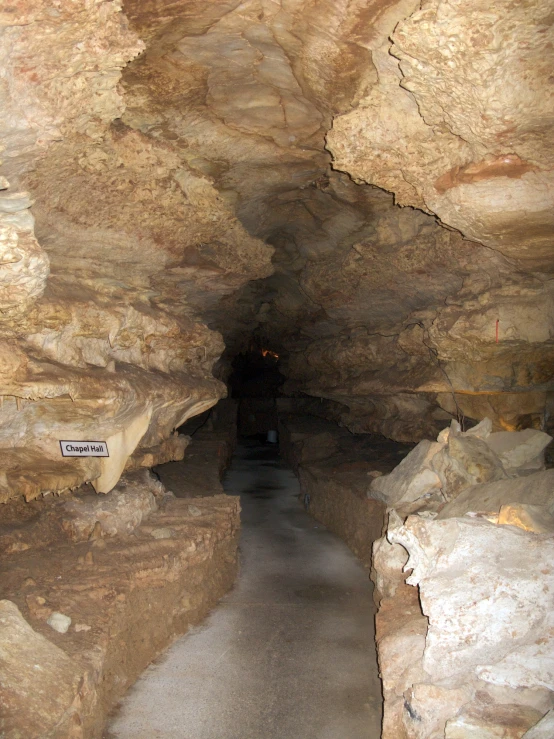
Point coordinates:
[(289, 654)]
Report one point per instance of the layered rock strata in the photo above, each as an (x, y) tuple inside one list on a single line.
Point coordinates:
[(457, 126), (124, 574), (379, 308), (213, 438), (121, 240), (111, 249), (458, 537)]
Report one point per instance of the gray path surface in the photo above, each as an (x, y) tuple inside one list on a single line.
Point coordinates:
[(288, 654)]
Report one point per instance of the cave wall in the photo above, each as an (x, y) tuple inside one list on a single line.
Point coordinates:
[(111, 249), (405, 315), (354, 181)]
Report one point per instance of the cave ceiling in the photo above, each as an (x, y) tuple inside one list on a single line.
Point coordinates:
[(365, 185)]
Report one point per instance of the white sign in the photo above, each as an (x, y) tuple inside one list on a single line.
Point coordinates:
[(84, 449)]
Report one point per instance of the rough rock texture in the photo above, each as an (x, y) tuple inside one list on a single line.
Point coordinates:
[(435, 473), (465, 145), (128, 504), (543, 729), (213, 441), (444, 130), (509, 591), (102, 333), (464, 641), (127, 597), (80, 516), (522, 452), (179, 176), (487, 593), (412, 479), (149, 153), (375, 307), (486, 500), (39, 681)]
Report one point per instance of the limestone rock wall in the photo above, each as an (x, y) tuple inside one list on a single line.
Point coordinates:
[(177, 171), (466, 87), (83, 615), (113, 252), (478, 653), (464, 587), (454, 122)]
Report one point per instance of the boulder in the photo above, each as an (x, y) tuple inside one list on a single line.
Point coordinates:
[(465, 461), (482, 430), (544, 729), (487, 592), (41, 688), (486, 500), (528, 517), (387, 568), (492, 721), (116, 513), (428, 707), (412, 479), (469, 654), (521, 452), (435, 472), (455, 429)]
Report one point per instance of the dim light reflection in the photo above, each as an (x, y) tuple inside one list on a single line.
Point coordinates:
[(268, 353)]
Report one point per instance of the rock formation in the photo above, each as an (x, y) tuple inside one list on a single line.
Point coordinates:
[(465, 639), (106, 277), (149, 155), (365, 188)]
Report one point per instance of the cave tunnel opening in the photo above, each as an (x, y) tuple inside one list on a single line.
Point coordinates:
[(225, 219), (255, 383)]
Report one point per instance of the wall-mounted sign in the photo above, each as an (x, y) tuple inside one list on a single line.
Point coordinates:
[(84, 449)]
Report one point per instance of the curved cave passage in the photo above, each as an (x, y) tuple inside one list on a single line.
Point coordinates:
[(294, 256)]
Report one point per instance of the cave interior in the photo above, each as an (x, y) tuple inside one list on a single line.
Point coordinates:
[(319, 226)]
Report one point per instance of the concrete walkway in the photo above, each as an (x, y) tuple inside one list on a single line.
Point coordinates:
[(289, 654)]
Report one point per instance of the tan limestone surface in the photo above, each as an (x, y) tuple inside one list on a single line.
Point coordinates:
[(112, 251), (149, 153), (131, 570), (465, 587)]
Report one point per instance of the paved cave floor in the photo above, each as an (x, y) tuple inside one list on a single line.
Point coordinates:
[(289, 653)]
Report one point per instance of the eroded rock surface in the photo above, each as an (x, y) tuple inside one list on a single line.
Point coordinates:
[(39, 681), (157, 152), (103, 335), (62, 682), (365, 188), (465, 587)]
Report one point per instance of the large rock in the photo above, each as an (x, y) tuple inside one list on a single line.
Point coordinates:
[(529, 517), (414, 477), (387, 568), (435, 472), (544, 729), (465, 461), (119, 512), (488, 722), (41, 688), (486, 500), (440, 128), (521, 452), (507, 571), (487, 593)]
